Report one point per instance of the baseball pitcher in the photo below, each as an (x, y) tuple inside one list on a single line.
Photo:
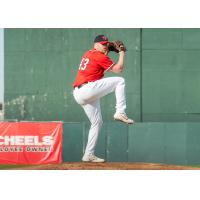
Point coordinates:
[(90, 86)]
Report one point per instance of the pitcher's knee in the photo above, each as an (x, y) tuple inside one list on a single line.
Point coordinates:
[(121, 80)]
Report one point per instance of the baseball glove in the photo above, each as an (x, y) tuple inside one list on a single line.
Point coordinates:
[(116, 46)]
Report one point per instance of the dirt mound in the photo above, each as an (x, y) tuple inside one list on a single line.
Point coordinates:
[(107, 166)]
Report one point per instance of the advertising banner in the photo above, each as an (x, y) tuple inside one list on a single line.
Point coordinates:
[(30, 142)]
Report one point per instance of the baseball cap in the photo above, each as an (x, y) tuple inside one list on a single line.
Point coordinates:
[(101, 39)]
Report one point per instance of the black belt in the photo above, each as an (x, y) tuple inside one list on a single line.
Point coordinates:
[(82, 85)]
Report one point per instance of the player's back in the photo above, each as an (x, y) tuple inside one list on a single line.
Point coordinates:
[(90, 68)]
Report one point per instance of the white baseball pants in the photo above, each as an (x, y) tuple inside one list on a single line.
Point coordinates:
[(88, 96)]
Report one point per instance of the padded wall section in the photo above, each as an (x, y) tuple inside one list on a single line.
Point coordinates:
[(156, 142)]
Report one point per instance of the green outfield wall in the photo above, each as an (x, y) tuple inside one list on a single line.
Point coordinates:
[(155, 142), (40, 67), (170, 75), (161, 71)]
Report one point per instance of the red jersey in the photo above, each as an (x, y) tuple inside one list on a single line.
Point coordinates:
[(92, 67)]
